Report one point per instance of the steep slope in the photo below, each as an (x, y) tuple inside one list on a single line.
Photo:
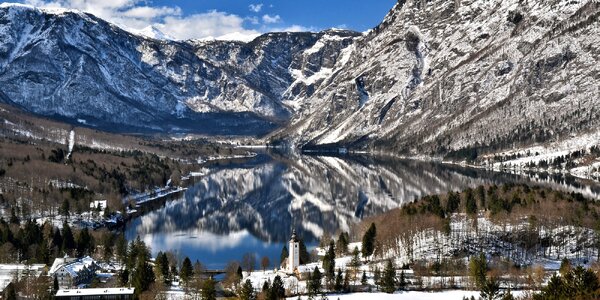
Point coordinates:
[(443, 75), (75, 66)]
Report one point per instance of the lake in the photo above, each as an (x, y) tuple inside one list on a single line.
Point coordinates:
[(252, 205)]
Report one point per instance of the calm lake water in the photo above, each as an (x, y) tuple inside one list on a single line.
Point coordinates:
[(252, 205)]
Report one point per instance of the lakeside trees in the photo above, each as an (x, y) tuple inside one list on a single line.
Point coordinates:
[(388, 281), (368, 241), (576, 283), (528, 222)]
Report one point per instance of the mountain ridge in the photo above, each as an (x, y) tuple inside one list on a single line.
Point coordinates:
[(438, 77), (434, 78), (76, 66)]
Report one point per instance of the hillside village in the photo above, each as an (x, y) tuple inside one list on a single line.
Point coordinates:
[(454, 249)]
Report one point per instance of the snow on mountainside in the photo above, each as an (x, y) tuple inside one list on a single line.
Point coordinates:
[(73, 65), (152, 32), (435, 77), (439, 76)]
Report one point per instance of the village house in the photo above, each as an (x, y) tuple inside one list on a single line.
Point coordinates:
[(72, 272)]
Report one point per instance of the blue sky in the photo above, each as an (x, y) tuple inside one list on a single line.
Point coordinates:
[(359, 15), (230, 19)]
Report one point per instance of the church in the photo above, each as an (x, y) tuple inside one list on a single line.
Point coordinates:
[(294, 254)]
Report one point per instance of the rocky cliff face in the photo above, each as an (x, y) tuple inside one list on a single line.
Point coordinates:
[(76, 66), (439, 76), (434, 77)]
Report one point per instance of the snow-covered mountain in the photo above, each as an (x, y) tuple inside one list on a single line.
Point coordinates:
[(434, 77), (443, 75), (76, 66)]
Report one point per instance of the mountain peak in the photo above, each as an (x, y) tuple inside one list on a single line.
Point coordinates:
[(45, 10), (152, 32)]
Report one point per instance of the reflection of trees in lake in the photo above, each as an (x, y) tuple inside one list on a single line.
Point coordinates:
[(268, 196)]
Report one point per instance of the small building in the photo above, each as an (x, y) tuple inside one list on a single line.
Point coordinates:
[(10, 272), (98, 204), (72, 272), (96, 294), (294, 254)]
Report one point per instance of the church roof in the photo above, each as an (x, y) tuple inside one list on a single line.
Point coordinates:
[(294, 238)]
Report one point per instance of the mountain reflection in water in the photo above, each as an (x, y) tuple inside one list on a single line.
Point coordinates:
[(252, 206)]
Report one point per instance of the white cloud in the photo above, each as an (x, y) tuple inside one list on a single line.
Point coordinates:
[(253, 20), (146, 12), (255, 7), (211, 24), (294, 28), (140, 16), (135, 15), (267, 19)]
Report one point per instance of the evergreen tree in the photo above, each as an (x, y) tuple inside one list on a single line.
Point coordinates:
[(124, 277), (363, 279), (240, 273), (581, 283), (368, 241), (346, 281), (57, 240), (13, 217), (9, 292), (247, 291), (277, 288), (314, 282), (478, 270), (266, 287), (84, 243), (355, 262), (43, 254), (565, 267), (377, 276), (490, 290), (453, 202), (507, 295), (329, 265), (339, 281), (121, 248), (162, 266), (209, 290), (554, 289), (388, 281), (341, 246), (187, 270), (470, 202), (67, 238), (142, 276), (284, 255), (402, 280), (55, 286), (481, 196), (65, 208), (303, 254)]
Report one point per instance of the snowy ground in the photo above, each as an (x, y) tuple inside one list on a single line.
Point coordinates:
[(412, 295), (549, 152)]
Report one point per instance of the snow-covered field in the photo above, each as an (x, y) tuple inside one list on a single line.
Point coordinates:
[(412, 295)]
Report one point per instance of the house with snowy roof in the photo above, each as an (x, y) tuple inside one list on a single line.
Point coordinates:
[(72, 272)]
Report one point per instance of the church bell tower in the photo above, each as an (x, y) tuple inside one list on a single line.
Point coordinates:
[(294, 258)]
